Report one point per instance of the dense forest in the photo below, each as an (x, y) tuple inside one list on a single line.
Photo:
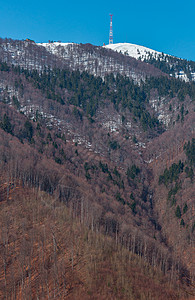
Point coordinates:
[(171, 65), (89, 93)]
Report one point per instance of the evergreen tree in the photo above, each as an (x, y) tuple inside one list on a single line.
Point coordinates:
[(6, 125), (178, 212)]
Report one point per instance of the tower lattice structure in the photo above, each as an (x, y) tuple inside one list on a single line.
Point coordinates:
[(111, 32)]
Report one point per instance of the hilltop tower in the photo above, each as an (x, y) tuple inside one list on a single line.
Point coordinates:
[(111, 33)]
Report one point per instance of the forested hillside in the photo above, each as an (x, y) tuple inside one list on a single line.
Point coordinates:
[(48, 252), (97, 178), (172, 65)]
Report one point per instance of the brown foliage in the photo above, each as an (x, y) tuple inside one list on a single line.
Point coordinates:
[(45, 253)]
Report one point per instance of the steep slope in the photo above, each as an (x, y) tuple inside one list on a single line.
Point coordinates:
[(48, 253), (136, 51), (27, 55), (84, 57), (172, 162), (99, 61), (101, 147), (177, 67)]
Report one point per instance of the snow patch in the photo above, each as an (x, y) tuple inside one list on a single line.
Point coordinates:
[(136, 51)]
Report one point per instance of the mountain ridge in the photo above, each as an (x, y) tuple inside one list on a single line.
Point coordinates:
[(149, 55), (136, 51), (174, 66)]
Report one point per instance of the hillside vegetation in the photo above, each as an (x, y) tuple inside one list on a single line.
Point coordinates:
[(97, 177), (47, 253)]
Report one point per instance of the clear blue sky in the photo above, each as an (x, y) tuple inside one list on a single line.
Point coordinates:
[(167, 26)]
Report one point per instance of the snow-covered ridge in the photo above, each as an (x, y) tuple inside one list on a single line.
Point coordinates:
[(93, 60), (53, 47), (136, 51), (145, 54)]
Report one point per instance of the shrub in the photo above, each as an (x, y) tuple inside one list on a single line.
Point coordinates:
[(178, 212)]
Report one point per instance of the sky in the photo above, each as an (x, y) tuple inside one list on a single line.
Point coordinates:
[(167, 26)]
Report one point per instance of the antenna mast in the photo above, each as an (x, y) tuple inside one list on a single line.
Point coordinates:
[(111, 32)]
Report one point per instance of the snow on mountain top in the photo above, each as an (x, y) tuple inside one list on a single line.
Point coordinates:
[(54, 44), (52, 47), (133, 50), (136, 51)]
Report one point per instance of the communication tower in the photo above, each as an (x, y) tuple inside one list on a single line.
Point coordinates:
[(111, 32)]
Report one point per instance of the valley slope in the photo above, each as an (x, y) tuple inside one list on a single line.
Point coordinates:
[(109, 138)]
